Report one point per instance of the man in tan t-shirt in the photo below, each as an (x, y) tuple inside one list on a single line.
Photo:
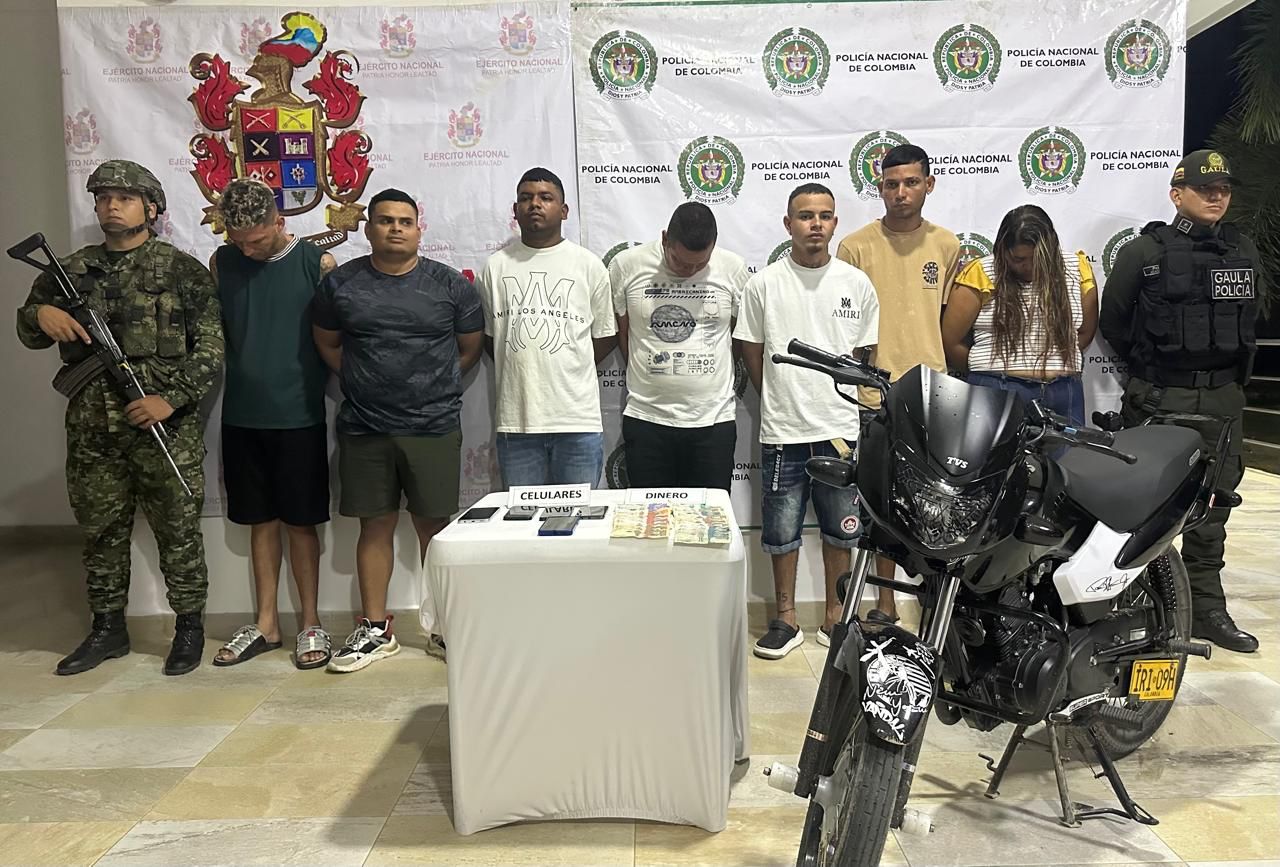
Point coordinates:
[(910, 262)]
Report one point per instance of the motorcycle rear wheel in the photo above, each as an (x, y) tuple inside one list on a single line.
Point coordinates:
[(1168, 577)]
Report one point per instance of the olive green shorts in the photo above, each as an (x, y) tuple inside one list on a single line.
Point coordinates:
[(375, 469)]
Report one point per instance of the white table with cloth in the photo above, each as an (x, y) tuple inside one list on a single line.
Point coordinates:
[(590, 677)]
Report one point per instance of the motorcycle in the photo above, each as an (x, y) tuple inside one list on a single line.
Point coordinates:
[(1050, 592)]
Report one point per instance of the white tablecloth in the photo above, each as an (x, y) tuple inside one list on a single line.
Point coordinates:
[(589, 676)]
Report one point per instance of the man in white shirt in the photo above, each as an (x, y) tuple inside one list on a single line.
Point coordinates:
[(832, 305), (547, 322), (676, 300)]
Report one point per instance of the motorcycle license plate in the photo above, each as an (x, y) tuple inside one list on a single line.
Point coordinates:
[(1154, 679)]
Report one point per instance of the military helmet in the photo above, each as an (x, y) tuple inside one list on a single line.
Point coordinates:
[(127, 175)]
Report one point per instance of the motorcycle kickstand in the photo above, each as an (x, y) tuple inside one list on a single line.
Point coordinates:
[(1131, 809), (998, 771), (1070, 817)]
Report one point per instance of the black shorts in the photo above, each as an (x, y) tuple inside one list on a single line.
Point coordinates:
[(275, 475)]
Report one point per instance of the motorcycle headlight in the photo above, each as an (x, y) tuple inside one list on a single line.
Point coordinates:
[(941, 515)]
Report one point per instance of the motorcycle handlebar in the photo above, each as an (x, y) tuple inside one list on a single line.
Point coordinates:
[(813, 353), (841, 375)]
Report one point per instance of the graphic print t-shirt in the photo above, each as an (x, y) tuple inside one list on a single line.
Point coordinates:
[(833, 308), (542, 307), (680, 369)]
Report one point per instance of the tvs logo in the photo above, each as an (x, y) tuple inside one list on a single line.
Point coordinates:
[(967, 58), (464, 126), (80, 132), (796, 62), (624, 65), (396, 36), (1051, 160), (783, 249), (1113, 246), (144, 44), (1138, 54), (616, 249), (252, 35), (517, 34), (973, 246), (931, 273), (865, 160), (711, 170), (290, 143)]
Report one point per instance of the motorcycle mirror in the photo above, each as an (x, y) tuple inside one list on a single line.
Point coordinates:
[(836, 472)]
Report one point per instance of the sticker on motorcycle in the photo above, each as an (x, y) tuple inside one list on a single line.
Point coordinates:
[(896, 686)]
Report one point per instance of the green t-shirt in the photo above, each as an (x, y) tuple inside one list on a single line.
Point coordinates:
[(275, 377)]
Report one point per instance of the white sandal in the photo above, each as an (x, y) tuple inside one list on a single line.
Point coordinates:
[(313, 639)]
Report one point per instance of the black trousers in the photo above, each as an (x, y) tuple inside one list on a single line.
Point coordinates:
[(1203, 547), (659, 456)]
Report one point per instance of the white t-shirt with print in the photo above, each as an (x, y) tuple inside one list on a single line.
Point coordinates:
[(680, 350), (833, 308), (542, 307)]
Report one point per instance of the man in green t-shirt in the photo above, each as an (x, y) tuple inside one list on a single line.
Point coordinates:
[(274, 440)]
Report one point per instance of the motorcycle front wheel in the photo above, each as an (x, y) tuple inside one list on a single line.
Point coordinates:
[(864, 787)]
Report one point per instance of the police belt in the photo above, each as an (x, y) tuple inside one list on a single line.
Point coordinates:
[(1187, 378)]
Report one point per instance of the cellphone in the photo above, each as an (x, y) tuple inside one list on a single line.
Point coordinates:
[(549, 512), (558, 526), (520, 513), (478, 516), (592, 513)]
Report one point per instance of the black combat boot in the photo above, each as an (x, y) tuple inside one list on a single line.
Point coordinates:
[(108, 639), (1218, 627), (188, 644)]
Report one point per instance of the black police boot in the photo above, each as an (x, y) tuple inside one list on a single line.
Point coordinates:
[(188, 644), (1218, 627), (108, 638)]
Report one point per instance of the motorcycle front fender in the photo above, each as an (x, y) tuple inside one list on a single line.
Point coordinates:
[(898, 674)]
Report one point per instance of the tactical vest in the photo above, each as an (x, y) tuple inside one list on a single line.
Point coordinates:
[(142, 305), (1198, 306)]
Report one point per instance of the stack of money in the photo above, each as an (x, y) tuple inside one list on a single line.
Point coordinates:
[(641, 521), (700, 525)]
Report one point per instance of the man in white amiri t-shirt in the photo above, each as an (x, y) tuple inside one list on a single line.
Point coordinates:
[(676, 300), (548, 322), (831, 305)]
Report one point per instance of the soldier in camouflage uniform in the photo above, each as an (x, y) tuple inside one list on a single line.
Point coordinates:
[(162, 308)]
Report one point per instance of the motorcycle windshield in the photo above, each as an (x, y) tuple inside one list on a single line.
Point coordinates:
[(964, 432)]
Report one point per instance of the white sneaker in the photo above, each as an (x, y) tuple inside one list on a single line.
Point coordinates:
[(365, 646), (824, 637)]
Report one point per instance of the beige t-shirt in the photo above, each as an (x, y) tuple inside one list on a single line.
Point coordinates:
[(912, 273)]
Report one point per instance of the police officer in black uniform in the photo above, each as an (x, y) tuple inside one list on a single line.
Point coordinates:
[(1180, 307)]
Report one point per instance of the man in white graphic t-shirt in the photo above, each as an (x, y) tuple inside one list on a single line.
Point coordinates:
[(547, 322), (831, 305), (676, 300)]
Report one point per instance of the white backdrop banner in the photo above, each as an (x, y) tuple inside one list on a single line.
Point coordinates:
[(1076, 107), (450, 104)]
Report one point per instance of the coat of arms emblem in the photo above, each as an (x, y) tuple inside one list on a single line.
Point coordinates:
[(80, 132), (517, 34), (144, 42), (301, 148)]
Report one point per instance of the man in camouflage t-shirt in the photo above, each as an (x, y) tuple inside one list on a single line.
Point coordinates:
[(161, 306)]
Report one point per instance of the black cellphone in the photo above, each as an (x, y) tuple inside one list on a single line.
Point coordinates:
[(559, 526), (593, 513), (520, 513), (478, 515)]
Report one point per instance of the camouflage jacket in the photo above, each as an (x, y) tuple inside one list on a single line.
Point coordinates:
[(163, 309)]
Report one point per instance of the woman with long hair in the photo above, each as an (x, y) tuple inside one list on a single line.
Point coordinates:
[(1019, 319)]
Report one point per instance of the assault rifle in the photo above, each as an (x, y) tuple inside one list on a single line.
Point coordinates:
[(106, 352)]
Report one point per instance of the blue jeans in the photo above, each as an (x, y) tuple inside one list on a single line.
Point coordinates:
[(550, 459), (786, 492), (1064, 395)]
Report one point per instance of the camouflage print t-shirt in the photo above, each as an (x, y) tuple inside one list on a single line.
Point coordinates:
[(400, 373)]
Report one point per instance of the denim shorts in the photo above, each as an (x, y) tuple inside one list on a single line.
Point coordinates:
[(786, 493)]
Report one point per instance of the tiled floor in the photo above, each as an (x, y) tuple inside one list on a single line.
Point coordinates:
[(262, 764)]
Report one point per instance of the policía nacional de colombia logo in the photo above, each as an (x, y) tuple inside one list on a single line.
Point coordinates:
[(967, 57), (973, 246), (1051, 160), (796, 62), (865, 160), (783, 249), (623, 65), (1112, 248), (1138, 54), (711, 170)]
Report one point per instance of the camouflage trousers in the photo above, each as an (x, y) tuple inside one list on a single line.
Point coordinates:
[(109, 474)]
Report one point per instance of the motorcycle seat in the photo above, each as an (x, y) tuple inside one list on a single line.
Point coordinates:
[(1123, 496)]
